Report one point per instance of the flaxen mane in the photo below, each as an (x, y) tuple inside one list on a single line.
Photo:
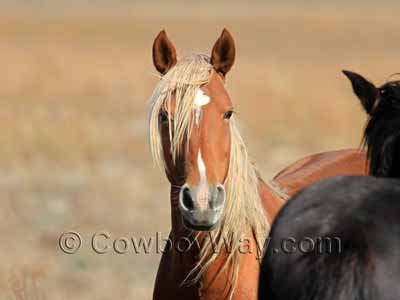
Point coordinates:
[(243, 212)]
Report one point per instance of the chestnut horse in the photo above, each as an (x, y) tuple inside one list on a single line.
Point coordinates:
[(218, 201)]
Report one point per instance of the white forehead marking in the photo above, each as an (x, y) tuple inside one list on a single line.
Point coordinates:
[(200, 100)]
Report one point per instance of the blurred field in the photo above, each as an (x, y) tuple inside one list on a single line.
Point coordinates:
[(73, 93)]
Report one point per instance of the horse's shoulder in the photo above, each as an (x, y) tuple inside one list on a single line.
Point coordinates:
[(320, 166)]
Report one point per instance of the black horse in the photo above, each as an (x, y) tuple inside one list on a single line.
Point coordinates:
[(340, 238)]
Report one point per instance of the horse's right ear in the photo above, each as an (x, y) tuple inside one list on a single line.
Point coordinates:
[(164, 53), (365, 90)]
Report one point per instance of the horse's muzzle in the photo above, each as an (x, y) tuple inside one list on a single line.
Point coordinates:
[(202, 206)]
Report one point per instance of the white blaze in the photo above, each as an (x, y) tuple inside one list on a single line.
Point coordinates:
[(200, 100), (202, 168), (202, 188)]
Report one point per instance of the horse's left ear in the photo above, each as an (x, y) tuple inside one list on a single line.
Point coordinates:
[(223, 53), (365, 90)]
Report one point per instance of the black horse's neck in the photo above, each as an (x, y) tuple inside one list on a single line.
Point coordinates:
[(384, 157), (382, 138)]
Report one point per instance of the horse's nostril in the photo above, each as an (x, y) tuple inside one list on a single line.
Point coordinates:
[(187, 199), (220, 198)]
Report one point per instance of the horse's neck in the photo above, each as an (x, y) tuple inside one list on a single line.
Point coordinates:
[(175, 266), (178, 228)]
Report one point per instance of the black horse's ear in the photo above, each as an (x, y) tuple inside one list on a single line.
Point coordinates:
[(164, 53), (223, 53), (365, 90)]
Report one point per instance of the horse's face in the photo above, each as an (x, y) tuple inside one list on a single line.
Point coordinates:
[(202, 166)]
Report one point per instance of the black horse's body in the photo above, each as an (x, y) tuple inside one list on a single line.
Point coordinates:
[(360, 215), (357, 218)]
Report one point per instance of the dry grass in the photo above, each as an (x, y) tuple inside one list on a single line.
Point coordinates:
[(23, 285), (74, 153)]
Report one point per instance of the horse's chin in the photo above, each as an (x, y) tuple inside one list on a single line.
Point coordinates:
[(199, 227)]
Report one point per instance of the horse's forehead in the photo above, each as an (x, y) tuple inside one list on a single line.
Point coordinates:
[(201, 99), (215, 89)]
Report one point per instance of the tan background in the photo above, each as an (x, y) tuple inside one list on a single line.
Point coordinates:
[(74, 83)]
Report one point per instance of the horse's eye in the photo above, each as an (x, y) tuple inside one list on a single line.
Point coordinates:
[(163, 117), (228, 114)]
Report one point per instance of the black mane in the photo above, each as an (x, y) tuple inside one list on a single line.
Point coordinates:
[(381, 135)]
